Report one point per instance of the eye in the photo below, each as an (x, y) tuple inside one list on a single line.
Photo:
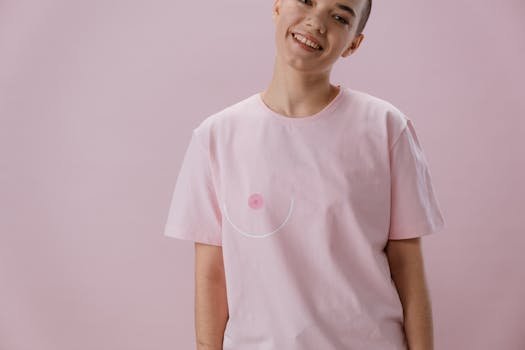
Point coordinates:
[(343, 20)]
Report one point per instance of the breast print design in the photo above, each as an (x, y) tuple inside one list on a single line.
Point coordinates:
[(256, 206)]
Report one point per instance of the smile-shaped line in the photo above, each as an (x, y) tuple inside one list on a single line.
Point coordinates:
[(254, 235)]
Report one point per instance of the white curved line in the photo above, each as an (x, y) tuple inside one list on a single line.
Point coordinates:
[(253, 235)]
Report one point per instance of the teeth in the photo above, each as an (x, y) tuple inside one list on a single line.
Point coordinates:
[(304, 40)]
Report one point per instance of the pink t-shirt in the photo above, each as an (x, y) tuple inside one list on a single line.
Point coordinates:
[(303, 208)]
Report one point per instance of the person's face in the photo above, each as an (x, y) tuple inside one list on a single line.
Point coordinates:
[(332, 27)]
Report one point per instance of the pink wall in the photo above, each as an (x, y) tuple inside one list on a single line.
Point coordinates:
[(97, 101)]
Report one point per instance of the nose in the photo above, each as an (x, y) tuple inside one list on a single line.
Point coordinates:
[(316, 24)]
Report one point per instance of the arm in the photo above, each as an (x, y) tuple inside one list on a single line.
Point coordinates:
[(407, 270), (211, 307)]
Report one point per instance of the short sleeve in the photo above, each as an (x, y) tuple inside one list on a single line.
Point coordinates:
[(414, 208), (194, 213)]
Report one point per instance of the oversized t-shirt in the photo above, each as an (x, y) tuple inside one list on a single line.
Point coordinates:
[(303, 208)]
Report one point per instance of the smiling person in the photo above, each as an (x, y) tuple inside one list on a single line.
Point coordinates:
[(306, 203)]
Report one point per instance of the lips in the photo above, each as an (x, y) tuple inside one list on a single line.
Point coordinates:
[(311, 38)]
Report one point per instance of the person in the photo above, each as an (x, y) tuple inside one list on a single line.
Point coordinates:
[(306, 203)]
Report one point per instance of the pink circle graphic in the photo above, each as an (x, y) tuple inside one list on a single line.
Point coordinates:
[(255, 201)]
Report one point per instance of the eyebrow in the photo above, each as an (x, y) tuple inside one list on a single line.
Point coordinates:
[(347, 9)]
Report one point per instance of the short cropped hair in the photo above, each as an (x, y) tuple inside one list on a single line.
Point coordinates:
[(364, 17)]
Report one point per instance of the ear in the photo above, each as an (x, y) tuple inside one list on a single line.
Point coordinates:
[(353, 45), (275, 9)]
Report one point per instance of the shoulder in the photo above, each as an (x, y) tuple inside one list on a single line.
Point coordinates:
[(379, 106), (381, 112), (222, 120)]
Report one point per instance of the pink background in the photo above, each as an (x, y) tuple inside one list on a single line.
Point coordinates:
[(97, 102)]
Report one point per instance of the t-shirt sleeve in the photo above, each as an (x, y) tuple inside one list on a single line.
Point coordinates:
[(194, 213), (414, 210)]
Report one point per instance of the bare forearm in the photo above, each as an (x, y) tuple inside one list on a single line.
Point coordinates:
[(211, 313), (406, 262), (418, 319), (417, 308)]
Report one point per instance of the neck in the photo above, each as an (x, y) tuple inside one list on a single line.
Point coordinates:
[(297, 94)]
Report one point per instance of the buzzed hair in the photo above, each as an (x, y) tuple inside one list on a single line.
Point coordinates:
[(364, 16)]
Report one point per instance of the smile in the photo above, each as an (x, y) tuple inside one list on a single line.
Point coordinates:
[(306, 43)]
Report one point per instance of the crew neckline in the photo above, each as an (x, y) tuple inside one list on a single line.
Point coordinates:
[(304, 119)]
